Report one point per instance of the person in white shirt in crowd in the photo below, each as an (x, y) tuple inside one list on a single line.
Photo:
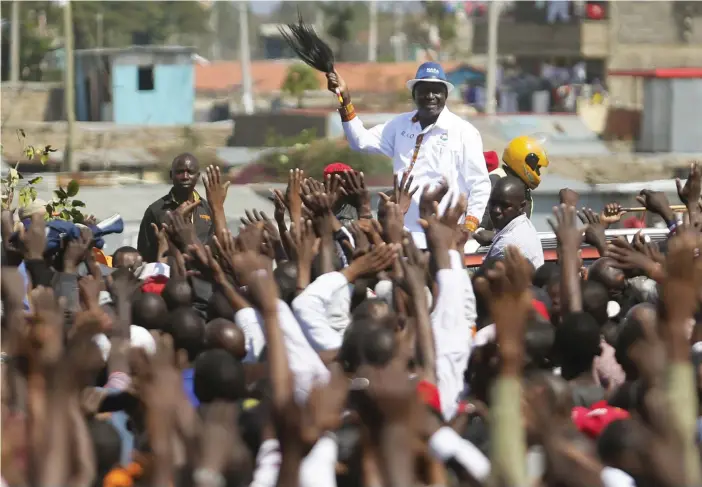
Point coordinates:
[(431, 143), (507, 208)]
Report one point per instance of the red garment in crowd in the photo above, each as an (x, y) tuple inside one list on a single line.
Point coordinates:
[(154, 284), (634, 222), (593, 420), (336, 167), (492, 160)]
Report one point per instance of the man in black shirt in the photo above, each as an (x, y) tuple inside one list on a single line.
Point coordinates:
[(185, 172)]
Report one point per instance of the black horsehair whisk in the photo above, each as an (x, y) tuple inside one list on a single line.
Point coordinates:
[(310, 48)]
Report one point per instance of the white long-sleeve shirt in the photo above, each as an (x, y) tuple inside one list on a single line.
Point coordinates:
[(323, 310), (305, 364), (451, 149), (451, 321)]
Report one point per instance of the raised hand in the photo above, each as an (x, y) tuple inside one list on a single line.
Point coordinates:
[(402, 192), (180, 229), (76, 251), (257, 274), (443, 232), (568, 197), (430, 199), (656, 202), (33, 240), (215, 188), (393, 223), (46, 326), (594, 229), (354, 187), (627, 258), (336, 82), (568, 234), (507, 288), (162, 239), (612, 213), (380, 258), (293, 194), (691, 189)]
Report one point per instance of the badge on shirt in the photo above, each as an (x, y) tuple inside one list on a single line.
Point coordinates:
[(444, 137)]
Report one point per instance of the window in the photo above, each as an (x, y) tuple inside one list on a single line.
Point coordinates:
[(145, 78)]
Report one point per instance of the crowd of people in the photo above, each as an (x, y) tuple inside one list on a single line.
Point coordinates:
[(320, 353), (341, 344)]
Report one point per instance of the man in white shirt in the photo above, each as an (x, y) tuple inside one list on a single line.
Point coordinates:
[(507, 208), (431, 143)]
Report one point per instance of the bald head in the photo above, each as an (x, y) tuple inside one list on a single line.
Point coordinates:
[(226, 335), (507, 201)]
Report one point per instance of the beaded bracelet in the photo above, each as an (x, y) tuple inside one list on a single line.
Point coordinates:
[(347, 112)]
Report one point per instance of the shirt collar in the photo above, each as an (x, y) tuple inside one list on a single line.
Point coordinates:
[(441, 122), (170, 197)]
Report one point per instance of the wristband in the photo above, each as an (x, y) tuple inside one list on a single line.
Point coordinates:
[(672, 227), (347, 112), (471, 223)]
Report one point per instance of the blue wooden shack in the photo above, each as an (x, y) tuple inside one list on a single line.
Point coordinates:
[(138, 85)]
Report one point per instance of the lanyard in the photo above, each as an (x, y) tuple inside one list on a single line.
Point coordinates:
[(417, 145)]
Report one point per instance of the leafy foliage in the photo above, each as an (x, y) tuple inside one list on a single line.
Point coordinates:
[(61, 206), (299, 141), (65, 208), (315, 156), (300, 78), (34, 46)]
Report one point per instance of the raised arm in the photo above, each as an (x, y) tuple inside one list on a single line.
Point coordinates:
[(379, 140), (474, 176)]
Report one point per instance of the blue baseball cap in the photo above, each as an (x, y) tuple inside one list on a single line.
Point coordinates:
[(431, 72)]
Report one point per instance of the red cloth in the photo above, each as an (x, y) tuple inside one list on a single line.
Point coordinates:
[(429, 394), (595, 11), (492, 160), (541, 309), (634, 222), (154, 284), (593, 420), (336, 167)]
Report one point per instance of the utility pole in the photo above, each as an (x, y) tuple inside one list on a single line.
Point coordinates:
[(245, 58), (215, 51), (69, 163), (491, 72), (15, 43), (100, 30), (373, 32), (398, 36)]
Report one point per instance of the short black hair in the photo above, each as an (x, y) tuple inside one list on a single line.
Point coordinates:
[(177, 293), (285, 275), (218, 376), (149, 311), (595, 299), (187, 328), (123, 250), (577, 343)]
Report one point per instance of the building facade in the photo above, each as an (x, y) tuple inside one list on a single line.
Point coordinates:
[(140, 85), (605, 36)]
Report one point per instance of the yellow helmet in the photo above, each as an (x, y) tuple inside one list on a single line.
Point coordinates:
[(526, 156)]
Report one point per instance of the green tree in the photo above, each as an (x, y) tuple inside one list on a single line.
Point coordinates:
[(338, 20), (300, 78), (34, 44), (433, 14), (123, 23)]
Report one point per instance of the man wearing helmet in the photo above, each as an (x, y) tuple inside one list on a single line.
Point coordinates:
[(431, 143), (523, 158)]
